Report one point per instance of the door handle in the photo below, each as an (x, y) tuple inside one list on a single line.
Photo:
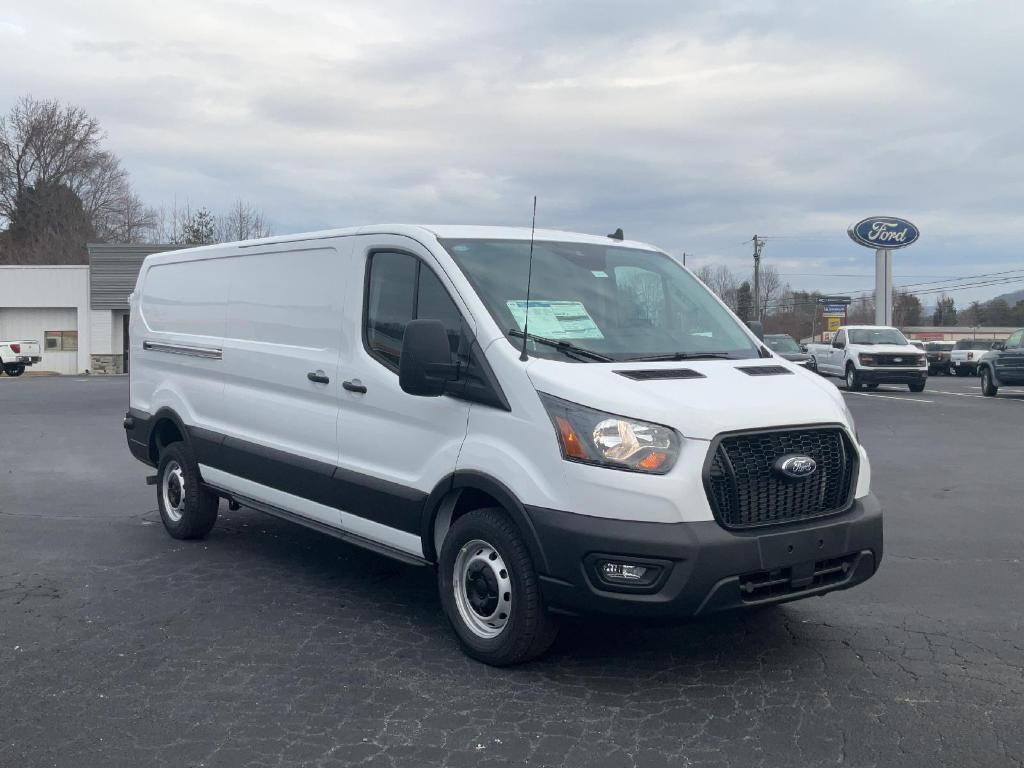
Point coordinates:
[(318, 377), (354, 386)]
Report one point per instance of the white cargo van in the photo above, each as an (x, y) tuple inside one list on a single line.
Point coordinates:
[(647, 455)]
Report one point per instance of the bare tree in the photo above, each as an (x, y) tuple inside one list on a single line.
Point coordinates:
[(128, 220), (721, 281), (243, 221), (771, 288), (47, 142)]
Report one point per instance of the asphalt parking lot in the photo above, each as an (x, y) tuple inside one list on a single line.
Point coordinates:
[(269, 645)]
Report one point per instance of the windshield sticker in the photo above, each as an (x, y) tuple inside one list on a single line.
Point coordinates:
[(556, 319), (598, 273)]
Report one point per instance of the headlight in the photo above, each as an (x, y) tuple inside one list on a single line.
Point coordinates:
[(867, 359), (594, 437)]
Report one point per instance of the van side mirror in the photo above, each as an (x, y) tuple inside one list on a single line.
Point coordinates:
[(757, 327), (803, 348), (425, 364), (1001, 345)]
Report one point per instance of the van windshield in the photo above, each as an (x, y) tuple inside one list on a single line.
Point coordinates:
[(620, 303), (782, 344)]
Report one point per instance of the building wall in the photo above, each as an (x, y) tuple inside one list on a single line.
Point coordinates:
[(33, 298)]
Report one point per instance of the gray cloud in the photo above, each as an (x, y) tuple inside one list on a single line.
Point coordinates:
[(692, 125)]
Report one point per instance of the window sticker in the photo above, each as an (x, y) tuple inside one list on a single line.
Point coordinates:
[(598, 273), (556, 319)]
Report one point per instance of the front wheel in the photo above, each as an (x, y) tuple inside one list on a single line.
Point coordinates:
[(15, 369), (490, 591), (187, 508), (916, 387), (988, 387), (852, 379)]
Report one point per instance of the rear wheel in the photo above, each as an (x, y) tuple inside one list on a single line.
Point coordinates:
[(988, 387), (852, 379), (188, 509), (14, 369), (490, 591)]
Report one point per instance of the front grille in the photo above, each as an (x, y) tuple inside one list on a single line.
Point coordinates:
[(745, 491), (910, 361)]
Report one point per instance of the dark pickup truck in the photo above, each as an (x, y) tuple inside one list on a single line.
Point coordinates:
[(1004, 365)]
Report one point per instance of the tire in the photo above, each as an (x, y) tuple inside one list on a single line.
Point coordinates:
[(480, 547), (918, 387), (853, 382), (988, 388), (15, 369), (187, 508)]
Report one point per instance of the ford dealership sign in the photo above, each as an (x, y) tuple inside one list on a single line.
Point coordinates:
[(886, 232)]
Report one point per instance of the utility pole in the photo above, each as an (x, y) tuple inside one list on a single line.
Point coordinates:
[(758, 245)]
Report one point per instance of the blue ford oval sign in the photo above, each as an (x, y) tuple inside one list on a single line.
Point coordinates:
[(884, 232)]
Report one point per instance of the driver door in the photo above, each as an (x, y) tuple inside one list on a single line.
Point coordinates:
[(837, 352)]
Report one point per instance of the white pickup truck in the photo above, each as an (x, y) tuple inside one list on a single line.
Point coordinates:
[(15, 356), (967, 354), (869, 355)]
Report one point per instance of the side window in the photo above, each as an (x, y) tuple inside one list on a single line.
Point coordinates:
[(841, 337), (434, 303), (401, 288), (1015, 340), (390, 303)]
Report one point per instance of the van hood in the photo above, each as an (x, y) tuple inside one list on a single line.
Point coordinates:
[(724, 398)]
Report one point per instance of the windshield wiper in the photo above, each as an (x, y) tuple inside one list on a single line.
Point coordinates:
[(680, 356), (563, 346)]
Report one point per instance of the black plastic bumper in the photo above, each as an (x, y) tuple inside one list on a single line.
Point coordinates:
[(890, 376), (704, 568)]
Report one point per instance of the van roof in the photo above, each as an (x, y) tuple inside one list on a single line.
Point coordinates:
[(439, 231)]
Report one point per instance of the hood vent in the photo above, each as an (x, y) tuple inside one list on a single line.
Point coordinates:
[(764, 370), (661, 373)]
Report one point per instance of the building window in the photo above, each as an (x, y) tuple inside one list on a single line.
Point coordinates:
[(60, 341)]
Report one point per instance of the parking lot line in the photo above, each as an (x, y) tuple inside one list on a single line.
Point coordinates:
[(887, 397), (968, 394)]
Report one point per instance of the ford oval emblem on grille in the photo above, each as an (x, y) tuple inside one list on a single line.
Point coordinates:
[(897, 359), (795, 467)]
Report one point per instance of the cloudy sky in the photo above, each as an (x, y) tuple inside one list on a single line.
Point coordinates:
[(692, 124)]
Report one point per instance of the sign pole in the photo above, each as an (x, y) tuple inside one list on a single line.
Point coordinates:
[(883, 287)]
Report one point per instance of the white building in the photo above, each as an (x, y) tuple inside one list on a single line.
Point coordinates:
[(77, 313)]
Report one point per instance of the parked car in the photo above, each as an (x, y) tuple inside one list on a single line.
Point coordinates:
[(967, 354), (869, 355), (786, 347), (916, 343), (618, 443), (1004, 366), (938, 353), (15, 356)]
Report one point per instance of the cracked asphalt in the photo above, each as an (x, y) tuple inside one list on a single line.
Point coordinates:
[(268, 645)]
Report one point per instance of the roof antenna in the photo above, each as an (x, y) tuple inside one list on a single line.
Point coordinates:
[(529, 277), (617, 234)]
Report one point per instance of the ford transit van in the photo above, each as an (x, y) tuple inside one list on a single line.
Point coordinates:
[(619, 444)]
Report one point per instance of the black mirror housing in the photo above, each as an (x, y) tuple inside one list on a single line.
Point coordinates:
[(425, 365), (757, 327)]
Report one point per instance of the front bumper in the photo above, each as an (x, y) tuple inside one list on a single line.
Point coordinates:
[(705, 568), (892, 375)]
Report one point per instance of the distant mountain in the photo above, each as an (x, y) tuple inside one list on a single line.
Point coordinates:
[(1012, 298)]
